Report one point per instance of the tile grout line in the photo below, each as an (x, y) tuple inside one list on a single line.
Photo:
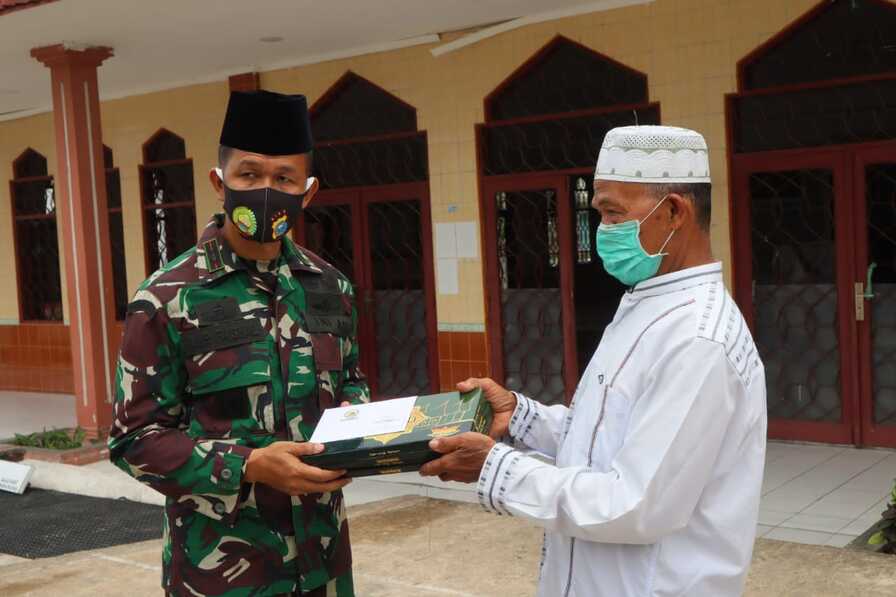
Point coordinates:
[(808, 470), (835, 489)]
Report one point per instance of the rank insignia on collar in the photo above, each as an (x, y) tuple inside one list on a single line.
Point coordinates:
[(212, 251)]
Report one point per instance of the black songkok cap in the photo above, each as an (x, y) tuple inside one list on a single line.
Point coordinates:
[(267, 123)]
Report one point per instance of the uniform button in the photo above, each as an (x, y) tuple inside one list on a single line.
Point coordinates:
[(226, 474), (219, 508)]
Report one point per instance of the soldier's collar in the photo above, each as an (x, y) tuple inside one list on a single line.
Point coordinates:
[(216, 259), (297, 259)]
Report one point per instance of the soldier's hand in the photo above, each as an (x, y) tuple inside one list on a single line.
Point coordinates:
[(463, 457), (503, 403), (279, 466)]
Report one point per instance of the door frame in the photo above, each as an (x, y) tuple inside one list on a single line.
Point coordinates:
[(489, 186), (359, 198), (846, 430), (870, 433)]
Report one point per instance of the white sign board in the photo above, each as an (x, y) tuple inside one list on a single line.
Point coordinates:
[(14, 477)]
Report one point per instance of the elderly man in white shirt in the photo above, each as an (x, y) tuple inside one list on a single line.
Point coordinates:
[(658, 461)]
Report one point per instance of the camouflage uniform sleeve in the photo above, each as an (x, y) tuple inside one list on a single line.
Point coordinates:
[(147, 439), (354, 382)]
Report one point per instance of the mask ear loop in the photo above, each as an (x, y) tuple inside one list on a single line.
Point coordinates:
[(655, 207), (668, 238)]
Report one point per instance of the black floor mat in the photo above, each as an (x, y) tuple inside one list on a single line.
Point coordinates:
[(42, 524)]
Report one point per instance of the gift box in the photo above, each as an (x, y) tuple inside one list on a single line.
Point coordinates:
[(432, 416)]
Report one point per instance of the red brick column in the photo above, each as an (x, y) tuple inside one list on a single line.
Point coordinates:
[(82, 217)]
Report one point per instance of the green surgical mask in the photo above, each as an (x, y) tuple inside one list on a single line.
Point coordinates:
[(624, 257)]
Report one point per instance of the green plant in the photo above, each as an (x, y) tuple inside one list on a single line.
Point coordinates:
[(885, 537), (55, 439)]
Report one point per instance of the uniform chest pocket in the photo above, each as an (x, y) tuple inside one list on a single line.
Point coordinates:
[(230, 391), (611, 430), (328, 361)]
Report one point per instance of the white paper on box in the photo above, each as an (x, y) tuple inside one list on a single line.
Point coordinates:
[(350, 422), (14, 477)]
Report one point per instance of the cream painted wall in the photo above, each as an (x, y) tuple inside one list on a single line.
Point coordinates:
[(194, 113), (688, 49)]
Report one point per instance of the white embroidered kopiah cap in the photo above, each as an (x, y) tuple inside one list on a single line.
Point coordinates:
[(653, 154)]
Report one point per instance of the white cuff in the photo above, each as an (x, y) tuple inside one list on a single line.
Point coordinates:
[(493, 478), (523, 417)]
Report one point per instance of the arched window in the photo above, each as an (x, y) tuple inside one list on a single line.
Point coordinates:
[(37, 247), (116, 234), (354, 149), (167, 195)]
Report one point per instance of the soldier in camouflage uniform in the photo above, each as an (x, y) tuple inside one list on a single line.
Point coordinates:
[(230, 354)]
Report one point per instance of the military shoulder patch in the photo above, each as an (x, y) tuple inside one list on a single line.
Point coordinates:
[(212, 250)]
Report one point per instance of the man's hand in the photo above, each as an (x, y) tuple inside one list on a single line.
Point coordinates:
[(279, 466), (463, 458), (503, 403)]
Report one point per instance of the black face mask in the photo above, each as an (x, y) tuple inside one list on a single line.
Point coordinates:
[(263, 215)]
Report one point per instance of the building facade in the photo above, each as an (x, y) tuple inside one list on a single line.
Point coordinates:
[(456, 192)]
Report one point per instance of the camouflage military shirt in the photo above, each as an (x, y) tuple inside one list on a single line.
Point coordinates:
[(220, 356)]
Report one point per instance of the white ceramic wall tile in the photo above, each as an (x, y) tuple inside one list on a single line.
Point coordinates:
[(762, 529), (446, 241), (448, 281), (467, 240)]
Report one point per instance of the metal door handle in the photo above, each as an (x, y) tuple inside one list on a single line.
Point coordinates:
[(864, 292), (869, 292)]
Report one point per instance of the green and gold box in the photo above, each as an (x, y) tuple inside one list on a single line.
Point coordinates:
[(435, 415)]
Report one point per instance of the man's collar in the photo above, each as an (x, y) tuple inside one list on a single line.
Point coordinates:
[(215, 259), (680, 280)]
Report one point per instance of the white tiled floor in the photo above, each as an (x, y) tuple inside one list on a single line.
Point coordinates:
[(824, 495)]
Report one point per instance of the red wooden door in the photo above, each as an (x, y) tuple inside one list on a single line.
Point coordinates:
[(529, 252), (380, 238), (874, 283), (794, 283)]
